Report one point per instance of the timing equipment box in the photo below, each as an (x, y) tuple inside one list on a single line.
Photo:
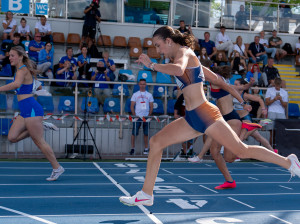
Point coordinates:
[(80, 149)]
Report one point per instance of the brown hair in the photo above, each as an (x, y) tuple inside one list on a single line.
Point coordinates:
[(224, 71)]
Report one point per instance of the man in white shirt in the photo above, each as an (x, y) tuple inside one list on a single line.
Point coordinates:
[(265, 42), (223, 42), (44, 28), (141, 106)]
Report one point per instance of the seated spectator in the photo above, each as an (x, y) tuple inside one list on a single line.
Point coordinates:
[(240, 47), (45, 62), (24, 30), (275, 42), (257, 110), (68, 57), (16, 42), (182, 27), (9, 25), (220, 59), (203, 54), (265, 42), (109, 64), (241, 18), (272, 73), (93, 50), (44, 28), (35, 46), (257, 52), (223, 42), (84, 65), (298, 47), (260, 79), (67, 72), (238, 65)]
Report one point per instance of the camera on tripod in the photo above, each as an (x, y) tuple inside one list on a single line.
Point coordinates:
[(95, 4)]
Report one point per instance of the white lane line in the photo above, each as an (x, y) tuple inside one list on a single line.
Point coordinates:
[(253, 178), (185, 179), (256, 164), (275, 217), (209, 189), (208, 165), (27, 215), (283, 170), (241, 202), (286, 187), (146, 211), (167, 171)]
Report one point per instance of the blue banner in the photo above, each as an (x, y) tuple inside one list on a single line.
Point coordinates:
[(16, 6), (41, 9)]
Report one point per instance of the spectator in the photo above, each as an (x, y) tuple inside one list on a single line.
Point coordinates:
[(275, 42), (44, 28), (276, 100), (223, 41), (257, 109), (285, 15), (240, 47), (67, 72), (272, 73), (9, 25), (241, 19), (35, 46), (265, 42), (16, 42), (109, 64), (68, 57), (238, 65), (84, 65), (45, 62), (24, 30), (220, 59), (298, 46), (141, 106), (182, 27), (203, 54), (260, 79), (257, 52)]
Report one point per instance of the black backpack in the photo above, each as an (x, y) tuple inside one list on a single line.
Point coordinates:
[(288, 48)]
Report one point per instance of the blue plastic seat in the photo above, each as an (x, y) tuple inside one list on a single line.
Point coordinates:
[(117, 90), (66, 104), (158, 107), (126, 71), (163, 78), (233, 78), (159, 91), (143, 74), (137, 88), (46, 102), (93, 108), (171, 104), (6, 71), (15, 105), (153, 60), (127, 105), (3, 102), (5, 124), (293, 110), (111, 105)]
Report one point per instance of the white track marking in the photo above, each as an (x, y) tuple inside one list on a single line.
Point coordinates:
[(167, 171), (256, 164), (275, 217), (27, 215), (208, 189), (286, 187), (146, 211), (208, 165), (185, 179), (241, 202), (283, 170), (253, 178)]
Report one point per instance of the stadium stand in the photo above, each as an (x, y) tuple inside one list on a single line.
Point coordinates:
[(66, 104), (111, 105), (93, 107), (46, 102)]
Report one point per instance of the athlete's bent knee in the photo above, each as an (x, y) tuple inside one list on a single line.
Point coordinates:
[(12, 139)]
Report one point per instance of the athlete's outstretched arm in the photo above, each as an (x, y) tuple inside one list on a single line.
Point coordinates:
[(15, 84)]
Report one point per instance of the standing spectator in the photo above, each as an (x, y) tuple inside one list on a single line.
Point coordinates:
[(109, 64), (272, 73), (285, 15), (35, 46), (182, 27), (9, 25), (257, 52), (298, 46), (265, 42), (24, 30), (276, 100), (67, 72), (92, 15), (260, 79), (44, 28), (240, 47), (223, 42), (45, 63), (241, 19), (141, 106), (68, 57), (275, 42)]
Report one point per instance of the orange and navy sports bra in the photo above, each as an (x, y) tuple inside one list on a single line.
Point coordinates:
[(218, 93), (190, 76)]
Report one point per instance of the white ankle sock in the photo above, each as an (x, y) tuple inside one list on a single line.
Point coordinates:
[(146, 195)]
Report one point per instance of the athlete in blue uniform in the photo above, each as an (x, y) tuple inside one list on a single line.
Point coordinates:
[(29, 123), (202, 116)]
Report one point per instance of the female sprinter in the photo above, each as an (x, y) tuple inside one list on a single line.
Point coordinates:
[(29, 122), (201, 116)]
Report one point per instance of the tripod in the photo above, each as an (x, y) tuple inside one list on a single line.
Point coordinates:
[(99, 30), (85, 125)]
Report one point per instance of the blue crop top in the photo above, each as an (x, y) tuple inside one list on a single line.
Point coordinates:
[(218, 93), (190, 76), (24, 88)]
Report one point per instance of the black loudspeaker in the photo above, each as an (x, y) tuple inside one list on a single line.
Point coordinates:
[(80, 149), (287, 136)]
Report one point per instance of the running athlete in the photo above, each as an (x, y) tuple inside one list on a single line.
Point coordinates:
[(201, 116), (29, 122)]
